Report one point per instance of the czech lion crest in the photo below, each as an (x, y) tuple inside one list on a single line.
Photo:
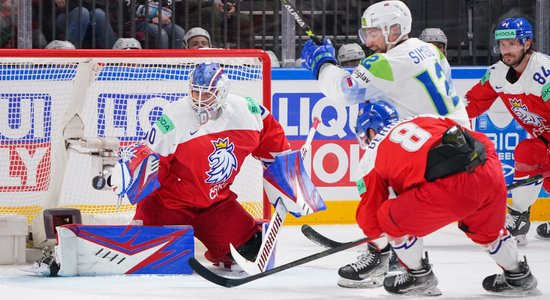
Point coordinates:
[(222, 161)]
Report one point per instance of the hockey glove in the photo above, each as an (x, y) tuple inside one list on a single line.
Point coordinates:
[(136, 173), (286, 180), (314, 56)]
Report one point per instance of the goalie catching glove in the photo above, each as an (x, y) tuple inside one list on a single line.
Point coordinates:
[(135, 175)]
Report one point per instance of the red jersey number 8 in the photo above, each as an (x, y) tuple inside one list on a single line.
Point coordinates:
[(410, 136)]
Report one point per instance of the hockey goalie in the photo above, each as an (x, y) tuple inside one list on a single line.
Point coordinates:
[(181, 173)]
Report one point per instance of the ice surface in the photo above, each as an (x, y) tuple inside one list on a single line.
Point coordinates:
[(459, 265)]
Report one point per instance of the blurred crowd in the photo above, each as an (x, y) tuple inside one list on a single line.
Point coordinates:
[(151, 24), (156, 24)]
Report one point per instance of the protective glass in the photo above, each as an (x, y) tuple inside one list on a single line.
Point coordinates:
[(369, 33), (362, 139), (507, 46)]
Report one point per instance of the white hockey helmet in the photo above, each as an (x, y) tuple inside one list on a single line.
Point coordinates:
[(349, 52), (196, 31), (127, 43), (384, 15), (433, 35), (58, 44)]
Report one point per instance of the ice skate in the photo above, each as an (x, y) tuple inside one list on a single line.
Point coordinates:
[(518, 224), (518, 283), (421, 282), (45, 266), (543, 231), (368, 271)]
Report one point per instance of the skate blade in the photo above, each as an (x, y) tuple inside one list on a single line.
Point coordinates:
[(429, 292), (36, 269), (518, 293), (542, 238), (368, 283)]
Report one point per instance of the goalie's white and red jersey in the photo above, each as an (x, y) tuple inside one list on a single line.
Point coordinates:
[(526, 99), (199, 163)]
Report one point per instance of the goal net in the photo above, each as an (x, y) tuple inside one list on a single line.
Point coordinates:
[(63, 113)]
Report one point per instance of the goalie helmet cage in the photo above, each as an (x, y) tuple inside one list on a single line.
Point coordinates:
[(110, 93)]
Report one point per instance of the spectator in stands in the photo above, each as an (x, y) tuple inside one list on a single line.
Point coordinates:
[(435, 36), (147, 20), (349, 55), (127, 44), (274, 59), (6, 32), (212, 17), (197, 38), (58, 44), (78, 22)]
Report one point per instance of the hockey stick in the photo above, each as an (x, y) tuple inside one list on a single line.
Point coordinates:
[(319, 239), (232, 282), (292, 10), (524, 182), (269, 242)]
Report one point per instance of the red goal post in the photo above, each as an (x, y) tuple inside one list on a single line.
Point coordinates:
[(59, 108)]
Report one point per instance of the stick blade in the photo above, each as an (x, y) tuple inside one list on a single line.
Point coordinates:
[(247, 266), (318, 238), (209, 275)]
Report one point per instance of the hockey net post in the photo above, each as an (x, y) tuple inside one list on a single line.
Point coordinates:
[(61, 112)]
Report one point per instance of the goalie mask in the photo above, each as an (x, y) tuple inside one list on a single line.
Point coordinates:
[(208, 85), (373, 116)]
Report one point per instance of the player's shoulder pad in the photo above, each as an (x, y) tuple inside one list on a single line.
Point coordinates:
[(378, 65)]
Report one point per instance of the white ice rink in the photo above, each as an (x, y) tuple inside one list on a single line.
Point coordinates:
[(459, 265)]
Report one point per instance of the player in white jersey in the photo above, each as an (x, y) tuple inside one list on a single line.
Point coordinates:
[(201, 143), (412, 75), (415, 75)]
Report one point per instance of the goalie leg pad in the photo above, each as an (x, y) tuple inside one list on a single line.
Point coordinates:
[(114, 250)]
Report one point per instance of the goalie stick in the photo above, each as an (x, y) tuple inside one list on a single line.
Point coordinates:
[(292, 10), (269, 242), (232, 282)]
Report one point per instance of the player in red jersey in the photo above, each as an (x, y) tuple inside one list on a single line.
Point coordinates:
[(202, 142), (441, 173), (521, 79)]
